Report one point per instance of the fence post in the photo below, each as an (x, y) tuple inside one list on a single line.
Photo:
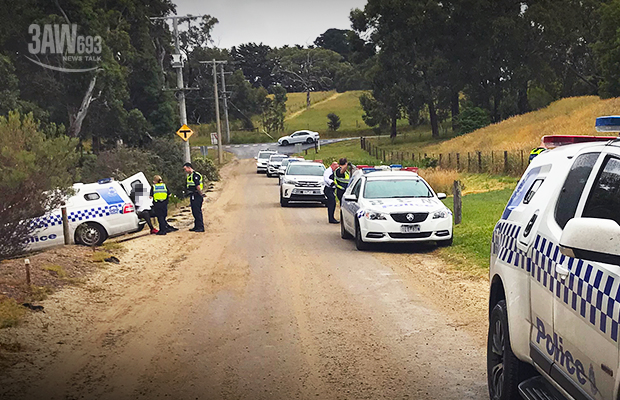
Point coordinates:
[(27, 265), (65, 224), (468, 162), (391, 156), (458, 162), (505, 161), (449, 160), (440, 159), (458, 204), (384, 156), (479, 162), (521, 160)]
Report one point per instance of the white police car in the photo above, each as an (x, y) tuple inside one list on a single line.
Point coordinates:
[(262, 160), (274, 164), (393, 206), (95, 212), (303, 182), (554, 305)]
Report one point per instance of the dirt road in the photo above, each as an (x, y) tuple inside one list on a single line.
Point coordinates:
[(270, 303)]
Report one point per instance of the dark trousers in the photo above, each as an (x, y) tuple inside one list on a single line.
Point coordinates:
[(339, 194), (161, 212), (195, 201), (331, 203), (146, 216)]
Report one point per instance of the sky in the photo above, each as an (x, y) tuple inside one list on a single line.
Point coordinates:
[(273, 22)]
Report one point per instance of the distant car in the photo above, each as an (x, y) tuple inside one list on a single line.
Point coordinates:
[(284, 165), (299, 137), (303, 181), (274, 164), (262, 159), (393, 206)]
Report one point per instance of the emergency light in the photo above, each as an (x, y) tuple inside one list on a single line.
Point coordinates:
[(554, 141), (608, 124)]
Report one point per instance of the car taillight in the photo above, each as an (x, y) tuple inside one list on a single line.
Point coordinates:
[(128, 208)]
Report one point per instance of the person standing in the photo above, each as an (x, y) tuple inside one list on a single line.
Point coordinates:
[(160, 194), (194, 189), (342, 177), (330, 187)]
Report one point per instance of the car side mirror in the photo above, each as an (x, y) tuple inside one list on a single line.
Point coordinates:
[(592, 239), (350, 197), (441, 196)]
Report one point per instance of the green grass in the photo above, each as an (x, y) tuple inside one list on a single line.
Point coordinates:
[(472, 238), (350, 149)]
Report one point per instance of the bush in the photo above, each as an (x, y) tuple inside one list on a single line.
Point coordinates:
[(207, 168), (37, 174), (473, 118), (333, 122)]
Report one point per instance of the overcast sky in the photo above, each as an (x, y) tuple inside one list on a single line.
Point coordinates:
[(272, 22)]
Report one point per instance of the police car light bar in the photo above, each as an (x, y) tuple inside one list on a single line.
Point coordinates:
[(553, 141), (608, 124)]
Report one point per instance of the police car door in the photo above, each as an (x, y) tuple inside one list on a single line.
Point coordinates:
[(133, 181), (587, 294), (350, 208)]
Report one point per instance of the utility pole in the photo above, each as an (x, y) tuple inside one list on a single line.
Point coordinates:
[(177, 64), (220, 154), (225, 97)]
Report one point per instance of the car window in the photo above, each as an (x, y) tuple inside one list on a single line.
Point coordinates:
[(604, 199), (395, 189), (532, 191), (264, 155), (91, 196), (278, 158), (573, 188), (285, 163), (312, 170), (357, 189)]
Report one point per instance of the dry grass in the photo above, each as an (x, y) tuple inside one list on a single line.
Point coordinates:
[(10, 313), (57, 269), (113, 247), (441, 180), (570, 116), (39, 293), (100, 256)]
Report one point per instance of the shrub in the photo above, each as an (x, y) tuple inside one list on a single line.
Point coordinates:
[(333, 122), (473, 118), (37, 173), (207, 168)]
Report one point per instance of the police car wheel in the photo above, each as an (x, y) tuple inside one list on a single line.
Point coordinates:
[(503, 367), (90, 234), (283, 201), (359, 242), (343, 231)]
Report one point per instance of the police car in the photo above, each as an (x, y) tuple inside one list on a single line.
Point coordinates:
[(274, 164), (388, 205), (554, 307), (262, 160), (95, 212), (303, 182)]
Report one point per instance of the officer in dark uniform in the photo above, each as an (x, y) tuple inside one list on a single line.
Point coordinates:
[(330, 187), (194, 189), (160, 195)]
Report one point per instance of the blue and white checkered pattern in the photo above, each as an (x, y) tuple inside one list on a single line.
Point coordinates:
[(591, 292), (46, 221), (90, 213)]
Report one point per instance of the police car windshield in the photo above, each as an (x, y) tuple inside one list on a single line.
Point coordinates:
[(311, 170), (264, 155), (277, 158), (396, 189)]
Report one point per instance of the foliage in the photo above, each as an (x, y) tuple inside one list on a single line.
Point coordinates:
[(207, 168), (274, 110), (10, 313), (472, 119), (333, 122), (37, 172)]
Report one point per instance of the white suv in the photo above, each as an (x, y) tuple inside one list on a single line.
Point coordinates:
[(393, 206), (262, 160), (303, 181), (299, 137), (554, 305), (274, 164)]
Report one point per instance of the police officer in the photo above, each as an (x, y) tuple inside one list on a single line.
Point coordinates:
[(330, 186), (194, 189), (535, 152), (342, 176), (160, 194)]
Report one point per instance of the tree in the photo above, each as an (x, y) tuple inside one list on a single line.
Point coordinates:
[(255, 62), (37, 172), (274, 110), (333, 122), (336, 40)]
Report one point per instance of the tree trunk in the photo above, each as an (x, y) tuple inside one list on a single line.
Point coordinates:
[(76, 120), (433, 115), (455, 107), (307, 98), (523, 103), (393, 131)]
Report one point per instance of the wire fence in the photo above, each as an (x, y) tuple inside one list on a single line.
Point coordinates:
[(497, 162)]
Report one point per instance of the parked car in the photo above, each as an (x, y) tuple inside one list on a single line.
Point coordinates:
[(393, 206), (284, 165), (299, 137), (303, 181), (262, 160), (555, 275), (274, 164), (96, 211)]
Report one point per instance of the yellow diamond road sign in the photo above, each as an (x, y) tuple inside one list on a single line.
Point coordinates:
[(185, 132)]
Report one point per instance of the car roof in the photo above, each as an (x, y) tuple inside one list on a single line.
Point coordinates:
[(309, 163), (267, 151), (391, 175)]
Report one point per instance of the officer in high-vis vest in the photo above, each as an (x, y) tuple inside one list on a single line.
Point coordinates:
[(194, 188), (536, 152), (160, 195), (342, 176)]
